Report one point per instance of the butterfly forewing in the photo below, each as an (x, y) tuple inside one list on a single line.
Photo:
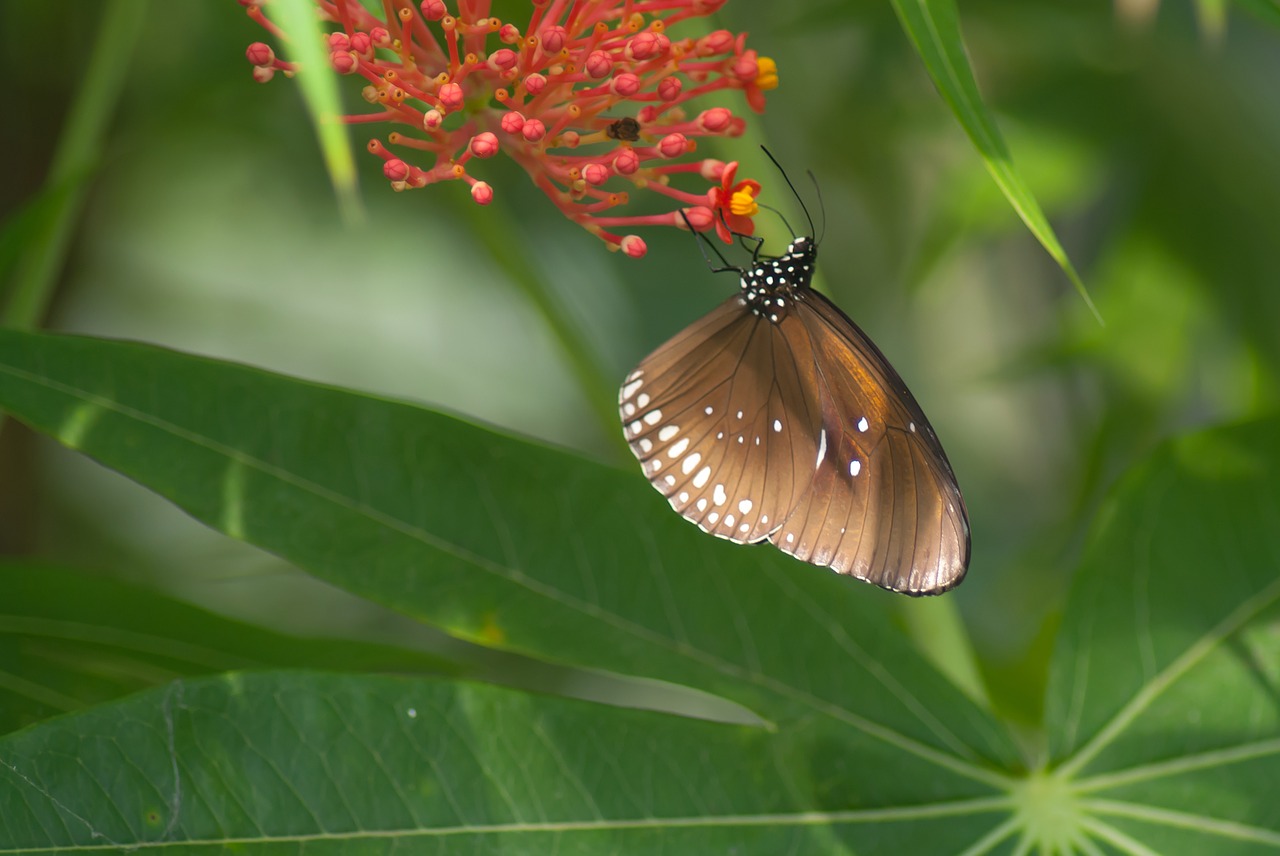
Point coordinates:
[(712, 416), (775, 417)]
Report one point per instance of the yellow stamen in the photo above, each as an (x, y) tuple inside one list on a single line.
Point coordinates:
[(766, 73), (743, 204)]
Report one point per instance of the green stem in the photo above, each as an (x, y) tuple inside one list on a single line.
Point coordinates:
[(78, 154)]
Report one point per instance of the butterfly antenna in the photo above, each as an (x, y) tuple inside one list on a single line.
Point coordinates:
[(794, 192), (703, 243), (781, 217), (822, 206)]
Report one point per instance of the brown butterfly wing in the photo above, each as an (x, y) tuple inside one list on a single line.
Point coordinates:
[(883, 504), (722, 422)]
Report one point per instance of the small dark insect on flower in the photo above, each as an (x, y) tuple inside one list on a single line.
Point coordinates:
[(463, 86), (625, 128)]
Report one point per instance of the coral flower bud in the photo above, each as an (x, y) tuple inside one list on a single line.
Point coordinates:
[(535, 83), (700, 218), (379, 36), (634, 246), (715, 120), (627, 162), (433, 10), (598, 64), (432, 119), (339, 42), (595, 173), (533, 130), (260, 54), (503, 59), (512, 122), (553, 39), (673, 145), (643, 46), (669, 88), (484, 145), (721, 41), (450, 96), (625, 85), (343, 62), (395, 169), (263, 73), (482, 193), (361, 43), (509, 34)]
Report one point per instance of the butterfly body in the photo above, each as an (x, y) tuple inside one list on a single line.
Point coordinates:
[(774, 417)]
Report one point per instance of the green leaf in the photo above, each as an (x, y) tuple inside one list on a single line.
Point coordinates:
[(934, 29), (285, 762), (308, 48), (71, 640), (513, 545), (1162, 706)]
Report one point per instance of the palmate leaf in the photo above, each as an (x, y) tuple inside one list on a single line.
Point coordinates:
[(864, 746)]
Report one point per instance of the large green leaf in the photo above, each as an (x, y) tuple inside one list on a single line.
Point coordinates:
[(1162, 714), (934, 28), (71, 640), (1164, 699), (276, 763), (507, 543)]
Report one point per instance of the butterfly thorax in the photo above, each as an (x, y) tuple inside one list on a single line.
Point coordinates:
[(771, 286)]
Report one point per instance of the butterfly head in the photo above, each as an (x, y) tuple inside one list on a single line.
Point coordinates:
[(772, 283)]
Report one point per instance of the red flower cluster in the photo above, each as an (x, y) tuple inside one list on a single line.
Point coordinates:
[(584, 96)]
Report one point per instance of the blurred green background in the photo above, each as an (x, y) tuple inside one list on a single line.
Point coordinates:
[(1149, 132)]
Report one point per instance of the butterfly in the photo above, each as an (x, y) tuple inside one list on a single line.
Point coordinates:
[(775, 418)]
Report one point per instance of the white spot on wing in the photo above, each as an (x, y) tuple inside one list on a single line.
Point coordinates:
[(635, 427), (777, 425), (713, 517), (863, 425), (667, 432), (708, 410), (719, 496), (630, 389), (653, 417), (701, 478), (684, 496), (822, 447), (690, 462), (744, 506), (855, 467), (702, 504), (678, 449), (744, 528), (629, 409), (728, 520), (646, 445), (791, 537), (670, 480)]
